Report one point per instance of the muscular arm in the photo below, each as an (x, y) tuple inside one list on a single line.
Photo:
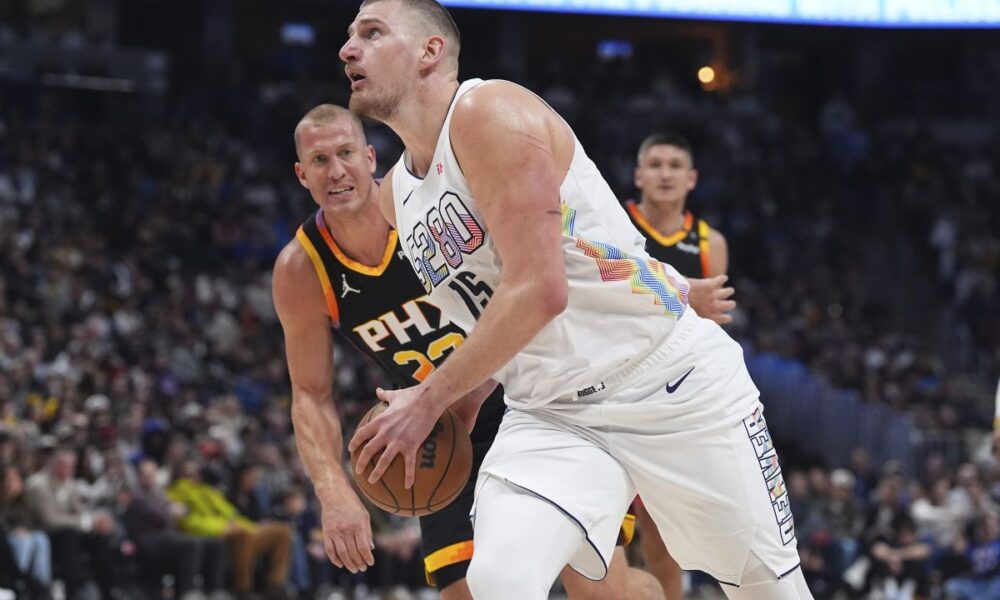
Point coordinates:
[(514, 152), (507, 142), (298, 299)]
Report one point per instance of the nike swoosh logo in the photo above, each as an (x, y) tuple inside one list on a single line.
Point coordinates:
[(673, 388)]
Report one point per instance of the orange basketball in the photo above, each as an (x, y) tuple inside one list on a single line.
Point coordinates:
[(444, 464)]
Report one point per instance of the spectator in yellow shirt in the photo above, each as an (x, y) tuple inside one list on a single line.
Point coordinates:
[(209, 514)]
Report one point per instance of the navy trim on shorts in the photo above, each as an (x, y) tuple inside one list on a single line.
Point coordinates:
[(736, 585), (797, 565), (586, 534)]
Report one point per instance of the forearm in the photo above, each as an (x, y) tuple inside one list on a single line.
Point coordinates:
[(881, 551), (510, 321), (320, 443), (918, 551), (468, 406)]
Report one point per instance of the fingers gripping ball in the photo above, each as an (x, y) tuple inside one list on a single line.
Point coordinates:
[(444, 464)]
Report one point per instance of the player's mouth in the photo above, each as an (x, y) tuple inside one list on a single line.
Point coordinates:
[(341, 191), (357, 79)]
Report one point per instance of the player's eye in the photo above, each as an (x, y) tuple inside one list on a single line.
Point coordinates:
[(319, 159)]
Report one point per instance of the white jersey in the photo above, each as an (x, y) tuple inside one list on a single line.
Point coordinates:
[(622, 303)]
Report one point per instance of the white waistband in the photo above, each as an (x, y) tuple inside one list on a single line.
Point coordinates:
[(677, 337)]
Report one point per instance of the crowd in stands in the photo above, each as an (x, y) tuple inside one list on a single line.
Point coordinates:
[(144, 403), (874, 534)]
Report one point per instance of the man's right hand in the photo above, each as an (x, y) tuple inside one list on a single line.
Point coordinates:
[(347, 533), (711, 300)]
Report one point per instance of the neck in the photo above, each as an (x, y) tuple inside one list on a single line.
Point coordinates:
[(418, 121), (665, 217), (361, 235)]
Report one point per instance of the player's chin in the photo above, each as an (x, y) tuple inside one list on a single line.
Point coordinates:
[(342, 204), (360, 102), (661, 197)]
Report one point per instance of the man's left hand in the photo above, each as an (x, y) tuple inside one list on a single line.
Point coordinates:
[(400, 429), (711, 300)]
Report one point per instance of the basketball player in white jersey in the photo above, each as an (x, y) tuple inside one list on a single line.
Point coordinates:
[(615, 386)]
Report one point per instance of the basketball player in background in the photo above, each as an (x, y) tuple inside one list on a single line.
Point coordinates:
[(345, 269), (614, 385), (665, 175)]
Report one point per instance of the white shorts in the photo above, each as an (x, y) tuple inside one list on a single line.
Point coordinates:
[(684, 428)]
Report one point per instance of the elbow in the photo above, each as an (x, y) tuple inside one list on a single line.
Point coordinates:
[(553, 297)]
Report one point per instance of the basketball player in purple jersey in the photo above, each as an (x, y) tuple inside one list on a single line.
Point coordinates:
[(344, 272)]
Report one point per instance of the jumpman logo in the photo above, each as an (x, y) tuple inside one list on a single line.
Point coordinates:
[(347, 287)]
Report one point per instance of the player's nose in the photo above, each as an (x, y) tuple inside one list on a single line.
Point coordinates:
[(336, 171), (349, 51)]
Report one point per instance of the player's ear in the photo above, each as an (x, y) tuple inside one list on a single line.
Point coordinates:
[(434, 50), (300, 172), (637, 179), (692, 179), (372, 161)]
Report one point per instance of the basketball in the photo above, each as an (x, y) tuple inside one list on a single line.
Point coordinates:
[(444, 464)]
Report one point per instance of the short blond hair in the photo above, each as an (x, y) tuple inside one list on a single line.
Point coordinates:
[(326, 114)]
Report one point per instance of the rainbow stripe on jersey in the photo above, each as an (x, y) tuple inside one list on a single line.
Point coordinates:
[(647, 276)]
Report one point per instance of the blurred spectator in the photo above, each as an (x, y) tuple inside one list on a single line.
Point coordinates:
[(150, 519), (250, 497), (397, 551), (81, 537), (937, 520), (209, 514), (844, 518), (969, 497), (899, 562), (980, 578), (310, 569), (29, 545)]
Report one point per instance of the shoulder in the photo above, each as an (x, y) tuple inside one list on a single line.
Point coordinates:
[(295, 284), (507, 124), (293, 262), (496, 102), (715, 237), (38, 480)]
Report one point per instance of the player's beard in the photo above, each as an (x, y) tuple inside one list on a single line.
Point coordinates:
[(381, 108)]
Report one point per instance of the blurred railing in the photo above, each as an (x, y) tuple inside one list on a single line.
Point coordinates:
[(831, 423)]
